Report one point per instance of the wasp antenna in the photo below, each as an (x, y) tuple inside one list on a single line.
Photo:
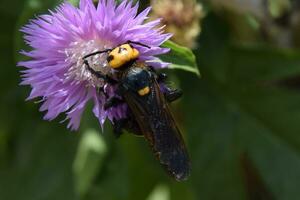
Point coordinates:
[(97, 52), (138, 43)]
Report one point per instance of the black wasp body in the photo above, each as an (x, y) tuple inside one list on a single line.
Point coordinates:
[(139, 86)]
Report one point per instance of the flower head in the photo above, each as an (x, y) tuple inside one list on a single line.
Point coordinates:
[(59, 41)]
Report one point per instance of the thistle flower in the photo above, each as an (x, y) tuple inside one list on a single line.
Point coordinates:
[(59, 41)]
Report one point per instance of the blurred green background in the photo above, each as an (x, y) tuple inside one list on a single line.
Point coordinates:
[(240, 120)]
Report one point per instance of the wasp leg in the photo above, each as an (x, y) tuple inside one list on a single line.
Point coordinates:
[(128, 124), (98, 74), (115, 100), (112, 102), (100, 90), (118, 126), (172, 94), (133, 127), (162, 77)]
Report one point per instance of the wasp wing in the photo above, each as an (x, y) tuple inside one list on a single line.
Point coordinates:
[(157, 124)]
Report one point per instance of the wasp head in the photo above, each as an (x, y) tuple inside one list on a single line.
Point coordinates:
[(122, 55)]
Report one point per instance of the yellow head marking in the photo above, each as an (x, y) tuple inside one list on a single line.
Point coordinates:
[(144, 91), (121, 55)]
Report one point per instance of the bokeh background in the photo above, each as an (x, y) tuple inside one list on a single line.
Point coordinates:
[(240, 120)]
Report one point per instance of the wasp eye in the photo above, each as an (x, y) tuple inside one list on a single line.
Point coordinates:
[(110, 58)]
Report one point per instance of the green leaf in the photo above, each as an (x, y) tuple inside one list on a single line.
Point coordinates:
[(180, 58), (74, 2), (89, 160)]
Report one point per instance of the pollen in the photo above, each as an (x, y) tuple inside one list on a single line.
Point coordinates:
[(78, 71)]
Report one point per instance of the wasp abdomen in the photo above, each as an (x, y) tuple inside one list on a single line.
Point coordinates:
[(156, 122)]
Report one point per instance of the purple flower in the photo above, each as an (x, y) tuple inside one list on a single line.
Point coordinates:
[(59, 40)]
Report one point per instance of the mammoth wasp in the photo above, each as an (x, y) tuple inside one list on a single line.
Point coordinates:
[(142, 89)]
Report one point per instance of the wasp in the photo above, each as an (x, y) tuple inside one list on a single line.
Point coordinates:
[(143, 90)]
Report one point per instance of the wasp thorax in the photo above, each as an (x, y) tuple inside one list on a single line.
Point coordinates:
[(78, 72)]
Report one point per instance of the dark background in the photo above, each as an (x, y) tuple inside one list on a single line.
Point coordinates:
[(241, 120)]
